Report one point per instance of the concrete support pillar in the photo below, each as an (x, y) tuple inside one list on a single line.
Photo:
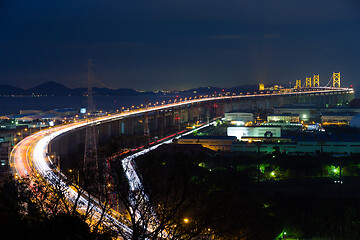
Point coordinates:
[(164, 119), (156, 120), (129, 126), (146, 126)]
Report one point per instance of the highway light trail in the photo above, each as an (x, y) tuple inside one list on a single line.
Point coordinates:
[(128, 163), (22, 160), (29, 158)]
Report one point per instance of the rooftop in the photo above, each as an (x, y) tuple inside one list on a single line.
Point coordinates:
[(325, 137), (210, 137), (284, 115)]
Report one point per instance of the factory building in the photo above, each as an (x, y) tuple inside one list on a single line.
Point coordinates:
[(239, 118), (283, 118), (254, 131), (216, 143)]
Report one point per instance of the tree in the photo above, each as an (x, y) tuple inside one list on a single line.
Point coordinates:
[(179, 199), (29, 211), (154, 212)]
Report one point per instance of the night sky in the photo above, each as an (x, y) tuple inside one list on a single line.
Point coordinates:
[(178, 44)]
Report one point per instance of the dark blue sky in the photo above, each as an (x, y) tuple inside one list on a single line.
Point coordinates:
[(173, 44)]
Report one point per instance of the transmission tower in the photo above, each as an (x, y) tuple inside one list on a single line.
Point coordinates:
[(308, 82), (336, 79), (91, 168), (316, 80)]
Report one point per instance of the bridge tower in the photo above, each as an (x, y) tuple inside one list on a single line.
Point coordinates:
[(298, 83), (261, 87), (90, 168), (316, 80), (336, 79), (308, 82)]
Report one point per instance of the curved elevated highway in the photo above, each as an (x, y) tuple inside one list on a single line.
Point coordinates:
[(30, 157)]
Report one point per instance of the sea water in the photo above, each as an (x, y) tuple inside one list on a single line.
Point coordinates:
[(13, 105)]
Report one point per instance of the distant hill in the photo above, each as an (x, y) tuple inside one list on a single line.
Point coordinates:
[(50, 89), (106, 92), (56, 89), (244, 88), (211, 90), (6, 89), (116, 92), (203, 90)]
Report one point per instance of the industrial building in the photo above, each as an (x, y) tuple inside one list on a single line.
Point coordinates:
[(335, 144), (304, 147), (254, 131), (306, 112), (284, 125), (239, 118), (6, 143), (216, 143), (285, 118), (337, 118)]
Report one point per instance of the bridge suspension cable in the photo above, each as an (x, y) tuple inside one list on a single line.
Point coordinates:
[(304, 84), (327, 85)]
